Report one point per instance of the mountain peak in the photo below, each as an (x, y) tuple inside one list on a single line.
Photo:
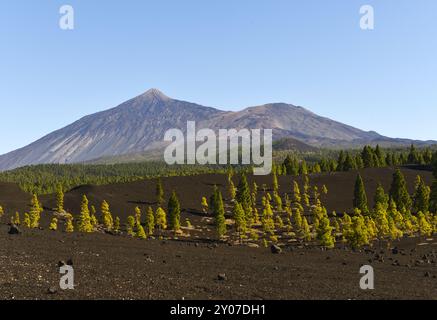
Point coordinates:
[(155, 94)]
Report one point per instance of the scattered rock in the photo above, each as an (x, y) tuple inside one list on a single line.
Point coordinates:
[(395, 250), (275, 249), (14, 229), (427, 275), (52, 290), (222, 277)]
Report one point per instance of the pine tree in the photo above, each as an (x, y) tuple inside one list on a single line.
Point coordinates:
[(358, 236), (298, 218), (84, 223), (278, 201), (35, 212), (140, 232), (117, 224), (69, 227), (130, 225), (381, 220), (219, 214), (243, 196), (421, 196), (26, 220), (54, 224), (275, 183), (231, 188), (161, 219), (368, 157), (204, 204), (380, 197), (16, 219), (398, 191), (267, 218), (324, 233), (108, 221), (159, 192), (296, 193), (174, 211), (150, 221), (360, 196), (240, 221), (60, 200), (425, 228), (138, 216), (306, 232)]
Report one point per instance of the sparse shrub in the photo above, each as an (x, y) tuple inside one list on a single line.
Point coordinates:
[(204, 204), (54, 224)]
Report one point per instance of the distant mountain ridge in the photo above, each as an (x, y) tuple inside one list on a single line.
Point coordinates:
[(138, 126)]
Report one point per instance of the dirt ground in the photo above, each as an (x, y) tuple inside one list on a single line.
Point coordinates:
[(119, 267)]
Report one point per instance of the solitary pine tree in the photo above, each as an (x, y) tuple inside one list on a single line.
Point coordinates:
[(398, 191), (138, 215), (84, 223), (35, 212), (150, 221), (108, 221), (174, 211), (360, 197), (159, 193), (60, 200), (204, 204), (220, 221)]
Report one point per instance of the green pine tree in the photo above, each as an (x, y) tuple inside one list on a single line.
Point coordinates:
[(174, 211), (360, 196), (399, 192)]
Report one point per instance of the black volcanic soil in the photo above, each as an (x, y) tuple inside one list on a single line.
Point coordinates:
[(118, 267)]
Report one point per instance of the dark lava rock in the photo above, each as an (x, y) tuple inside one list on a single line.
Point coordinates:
[(427, 275), (52, 290), (14, 229), (70, 262), (395, 250), (222, 277), (275, 249)]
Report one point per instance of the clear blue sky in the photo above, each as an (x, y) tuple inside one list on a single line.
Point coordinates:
[(230, 54)]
